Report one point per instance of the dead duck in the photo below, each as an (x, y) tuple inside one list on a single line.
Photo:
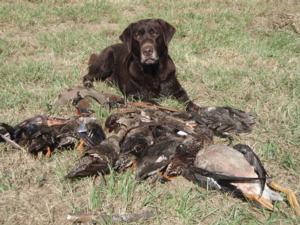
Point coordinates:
[(85, 127), (97, 159), (45, 134), (224, 121), (90, 131), (184, 154), (103, 99), (154, 159), (133, 143), (172, 123), (131, 140), (237, 169), (153, 152), (82, 106), (83, 132), (37, 133)]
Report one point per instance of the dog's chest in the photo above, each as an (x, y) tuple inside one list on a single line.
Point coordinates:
[(143, 82), (148, 85)]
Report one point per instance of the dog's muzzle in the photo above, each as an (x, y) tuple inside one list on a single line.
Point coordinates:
[(148, 54)]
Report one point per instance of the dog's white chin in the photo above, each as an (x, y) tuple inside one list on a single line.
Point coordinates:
[(149, 61)]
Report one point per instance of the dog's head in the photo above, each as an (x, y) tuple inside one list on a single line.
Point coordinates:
[(148, 39)]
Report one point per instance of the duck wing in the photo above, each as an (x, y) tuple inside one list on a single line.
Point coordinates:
[(91, 133), (100, 97), (95, 161), (219, 176), (226, 164), (6, 129), (254, 161), (155, 158), (99, 158), (225, 120)]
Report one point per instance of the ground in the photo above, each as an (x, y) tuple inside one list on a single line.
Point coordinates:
[(244, 54)]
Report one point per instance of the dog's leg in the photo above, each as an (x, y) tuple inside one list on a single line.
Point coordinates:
[(100, 67), (172, 88)]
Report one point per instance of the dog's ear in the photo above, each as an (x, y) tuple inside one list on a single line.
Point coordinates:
[(126, 36), (168, 30)]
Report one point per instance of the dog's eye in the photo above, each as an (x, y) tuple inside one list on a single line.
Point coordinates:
[(153, 32), (138, 34)]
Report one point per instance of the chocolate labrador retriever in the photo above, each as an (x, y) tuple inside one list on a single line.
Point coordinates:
[(140, 66)]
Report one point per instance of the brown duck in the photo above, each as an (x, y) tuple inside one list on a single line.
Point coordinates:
[(97, 159), (238, 169), (45, 134)]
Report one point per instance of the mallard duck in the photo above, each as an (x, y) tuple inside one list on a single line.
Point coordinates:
[(224, 121), (37, 133), (154, 159), (45, 134), (90, 131), (134, 143), (82, 106), (103, 99), (83, 130), (97, 159), (236, 169)]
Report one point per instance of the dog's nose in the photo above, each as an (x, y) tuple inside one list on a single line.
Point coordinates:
[(147, 51)]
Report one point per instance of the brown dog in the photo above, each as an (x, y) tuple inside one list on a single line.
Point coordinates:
[(141, 65)]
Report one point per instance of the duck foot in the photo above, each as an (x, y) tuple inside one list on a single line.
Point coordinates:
[(260, 200), (55, 121), (49, 152), (80, 146), (160, 177), (164, 177), (291, 196)]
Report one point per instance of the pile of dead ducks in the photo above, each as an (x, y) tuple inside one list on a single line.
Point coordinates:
[(157, 142)]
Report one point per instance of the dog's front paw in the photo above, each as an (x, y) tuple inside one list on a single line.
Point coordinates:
[(192, 107), (88, 84)]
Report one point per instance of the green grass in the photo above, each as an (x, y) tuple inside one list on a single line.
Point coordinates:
[(226, 53)]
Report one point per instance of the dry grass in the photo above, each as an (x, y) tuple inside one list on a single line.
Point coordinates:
[(244, 54)]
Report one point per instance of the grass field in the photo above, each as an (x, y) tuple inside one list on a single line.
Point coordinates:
[(244, 54)]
